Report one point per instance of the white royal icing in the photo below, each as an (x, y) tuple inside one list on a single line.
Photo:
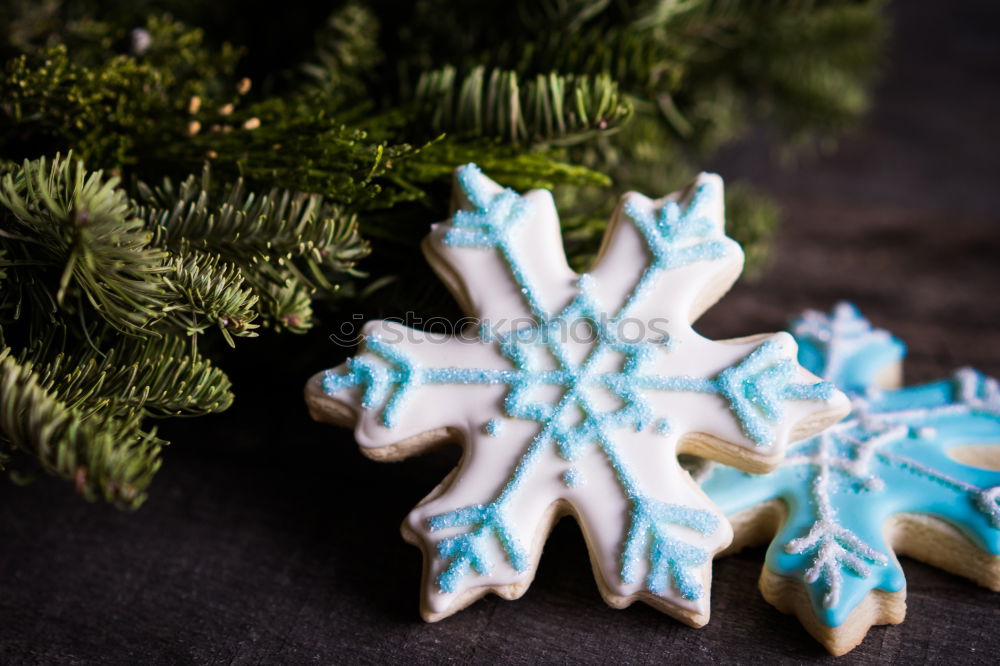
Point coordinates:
[(558, 422)]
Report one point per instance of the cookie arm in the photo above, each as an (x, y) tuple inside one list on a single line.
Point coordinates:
[(669, 258), (501, 254), (371, 392), (650, 531)]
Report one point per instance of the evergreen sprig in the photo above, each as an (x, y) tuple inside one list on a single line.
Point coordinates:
[(61, 215), (285, 245), (120, 109), (104, 299), (104, 455), (548, 109), (211, 198)]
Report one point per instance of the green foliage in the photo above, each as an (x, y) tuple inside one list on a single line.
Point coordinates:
[(284, 245), (703, 66), (346, 52), (247, 206), (693, 74), (548, 109), (165, 376), (106, 456), (213, 292), (759, 219), (104, 301), (117, 111), (63, 216)]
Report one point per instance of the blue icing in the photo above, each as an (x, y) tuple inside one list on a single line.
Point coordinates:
[(888, 457), (666, 233), (861, 351), (493, 427), (573, 477), (467, 550), (755, 389)]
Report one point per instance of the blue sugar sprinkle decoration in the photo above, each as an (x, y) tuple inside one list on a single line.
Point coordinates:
[(573, 477), (755, 389)]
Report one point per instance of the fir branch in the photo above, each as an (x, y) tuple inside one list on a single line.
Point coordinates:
[(706, 65), (547, 110), (288, 305), (813, 69), (286, 245), (299, 144), (210, 292), (250, 226), (511, 166), (164, 376), (103, 455), (81, 224)]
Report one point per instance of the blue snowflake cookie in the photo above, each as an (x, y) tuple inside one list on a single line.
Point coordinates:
[(905, 473)]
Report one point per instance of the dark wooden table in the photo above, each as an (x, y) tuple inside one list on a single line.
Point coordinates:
[(269, 539)]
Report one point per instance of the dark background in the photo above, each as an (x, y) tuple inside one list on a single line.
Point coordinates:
[(269, 539)]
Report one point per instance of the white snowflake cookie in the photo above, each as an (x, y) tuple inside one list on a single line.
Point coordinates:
[(573, 394)]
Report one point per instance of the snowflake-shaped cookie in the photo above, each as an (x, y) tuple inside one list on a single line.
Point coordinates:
[(887, 480), (572, 395)]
